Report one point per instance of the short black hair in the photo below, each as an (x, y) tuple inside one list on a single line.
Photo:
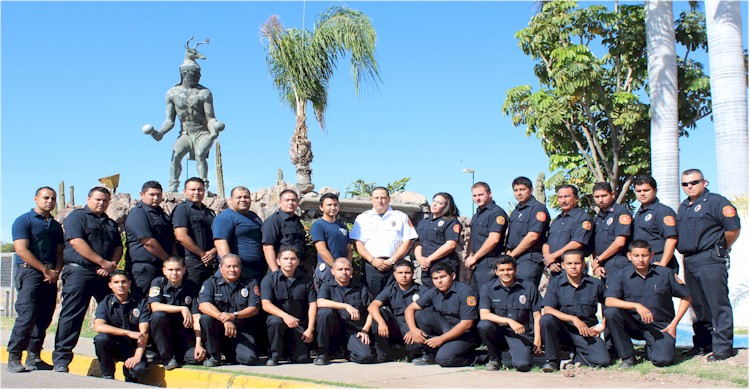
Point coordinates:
[(288, 191), (403, 263), (522, 181), (442, 266), (287, 248), (692, 171), (505, 259), (119, 272), (328, 195), (101, 189), (481, 184), (572, 187), (239, 188), (195, 179), (151, 184), (387, 193), (40, 189), (602, 186), (644, 179), (574, 252), (640, 244), (175, 259)]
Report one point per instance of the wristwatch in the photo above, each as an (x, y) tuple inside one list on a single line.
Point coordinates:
[(236, 315)]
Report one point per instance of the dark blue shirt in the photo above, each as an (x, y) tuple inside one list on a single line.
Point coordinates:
[(162, 291), (517, 302), (197, 218), (457, 304), (573, 226), (530, 217), (230, 297), (655, 291), (489, 219), (242, 233), (397, 299), (701, 225), (44, 236), (125, 315), (580, 302), (334, 234), (655, 223), (433, 233), (609, 224), (355, 294), (100, 233), (144, 221), (293, 296), (281, 228)]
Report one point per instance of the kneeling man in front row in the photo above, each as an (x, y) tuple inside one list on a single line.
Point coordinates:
[(639, 306)]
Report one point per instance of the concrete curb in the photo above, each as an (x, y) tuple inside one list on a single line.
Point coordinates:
[(184, 377)]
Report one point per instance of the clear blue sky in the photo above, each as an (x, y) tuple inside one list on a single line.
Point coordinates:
[(79, 80)]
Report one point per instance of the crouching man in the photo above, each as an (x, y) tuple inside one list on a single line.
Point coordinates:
[(122, 323), (639, 306), (228, 304)]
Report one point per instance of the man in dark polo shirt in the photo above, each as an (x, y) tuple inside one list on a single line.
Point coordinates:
[(639, 306), (92, 250), (527, 232), (487, 235), (38, 242), (707, 227), (330, 237), (656, 223), (613, 228), (284, 227), (192, 222), (150, 238), (572, 229)]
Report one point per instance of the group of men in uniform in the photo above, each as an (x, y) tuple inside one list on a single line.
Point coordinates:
[(171, 291)]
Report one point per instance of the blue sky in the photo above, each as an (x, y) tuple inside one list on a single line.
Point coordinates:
[(79, 80)]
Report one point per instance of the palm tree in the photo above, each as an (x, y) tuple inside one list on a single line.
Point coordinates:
[(302, 63), (728, 91), (663, 91)]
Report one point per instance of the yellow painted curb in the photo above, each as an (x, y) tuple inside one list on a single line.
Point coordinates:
[(182, 377)]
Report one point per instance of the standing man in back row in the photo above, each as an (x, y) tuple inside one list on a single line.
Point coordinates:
[(330, 237), (282, 228), (613, 228), (655, 223), (487, 235), (382, 237), (707, 226), (527, 232), (570, 230), (192, 222)]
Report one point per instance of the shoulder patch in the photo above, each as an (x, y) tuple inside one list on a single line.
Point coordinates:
[(256, 290), (471, 300), (625, 219), (586, 225), (154, 291), (729, 211), (669, 220), (202, 288), (415, 297), (457, 228), (541, 216), (500, 220)]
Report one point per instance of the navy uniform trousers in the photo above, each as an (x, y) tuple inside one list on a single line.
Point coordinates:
[(333, 331), (455, 353), (35, 304), (499, 338), (623, 327), (397, 329), (171, 338), (589, 351), (110, 349), (241, 349), (706, 278)]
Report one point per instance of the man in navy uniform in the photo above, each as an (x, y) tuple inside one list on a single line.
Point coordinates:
[(175, 319), (38, 242), (509, 309), (570, 306), (284, 227), (487, 237), (341, 321), (655, 222), (330, 237), (122, 323), (639, 306), (527, 232), (389, 326), (92, 250), (613, 228), (150, 238), (707, 226), (191, 221), (288, 296), (570, 230), (446, 333), (229, 303)]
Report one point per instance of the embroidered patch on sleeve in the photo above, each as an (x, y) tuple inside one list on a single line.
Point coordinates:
[(669, 220), (729, 211), (541, 216), (625, 219)]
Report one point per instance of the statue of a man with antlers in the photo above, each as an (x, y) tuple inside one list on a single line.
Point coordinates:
[(194, 105)]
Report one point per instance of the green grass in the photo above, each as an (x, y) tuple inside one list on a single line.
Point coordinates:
[(6, 323), (740, 330)]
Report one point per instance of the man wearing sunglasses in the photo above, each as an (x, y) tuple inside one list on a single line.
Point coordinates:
[(707, 226)]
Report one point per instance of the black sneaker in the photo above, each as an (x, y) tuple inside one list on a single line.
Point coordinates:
[(34, 362), (152, 356), (628, 362), (108, 377), (60, 368), (272, 361), (172, 364), (493, 365), (551, 366), (211, 362), (424, 360), (717, 357), (695, 351), (322, 360), (14, 363)]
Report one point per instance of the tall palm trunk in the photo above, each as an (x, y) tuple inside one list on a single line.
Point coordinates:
[(300, 151), (663, 88), (728, 94)]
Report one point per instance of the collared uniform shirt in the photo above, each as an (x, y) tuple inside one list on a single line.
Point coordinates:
[(162, 291), (382, 235), (243, 234), (123, 315), (579, 301), (281, 228), (434, 232), (44, 236), (397, 299), (457, 304), (292, 295), (334, 234), (230, 297), (197, 218), (609, 224), (355, 294), (701, 225), (100, 233), (655, 223), (144, 221), (655, 291), (517, 302), (489, 219), (530, 217), (573, 226)]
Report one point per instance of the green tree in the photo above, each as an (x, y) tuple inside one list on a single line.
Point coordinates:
[(7, 247), (363, 188), (591, 112), (302, 63)]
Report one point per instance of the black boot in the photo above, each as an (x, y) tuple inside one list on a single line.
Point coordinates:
[(14, 362)]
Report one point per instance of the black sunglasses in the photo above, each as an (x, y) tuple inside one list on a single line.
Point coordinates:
[(689, 183)]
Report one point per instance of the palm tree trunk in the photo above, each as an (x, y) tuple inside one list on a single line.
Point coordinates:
[(300, 152), (728, 94), (663, 90)]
